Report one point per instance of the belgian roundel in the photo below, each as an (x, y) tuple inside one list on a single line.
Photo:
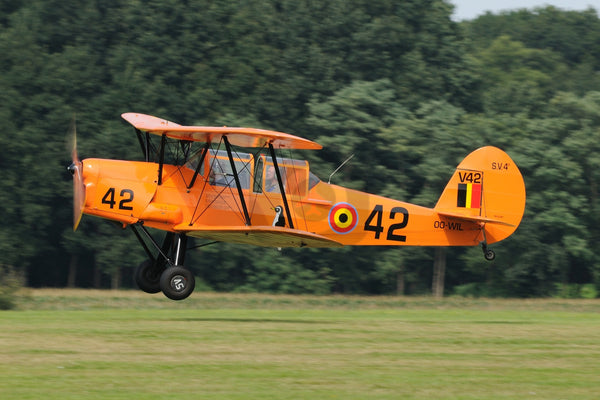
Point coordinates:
[(343, 218)]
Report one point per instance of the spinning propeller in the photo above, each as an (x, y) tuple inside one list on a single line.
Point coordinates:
[(76, 169)]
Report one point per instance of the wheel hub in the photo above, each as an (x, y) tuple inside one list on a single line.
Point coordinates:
[(178, 283)]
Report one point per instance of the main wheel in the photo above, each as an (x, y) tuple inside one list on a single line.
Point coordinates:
[(177, 282), (147, 277)]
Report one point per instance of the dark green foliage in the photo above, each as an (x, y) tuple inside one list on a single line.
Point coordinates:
[(398, 84), (11, 281)]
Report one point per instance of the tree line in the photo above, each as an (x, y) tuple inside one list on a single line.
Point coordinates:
[(400, 85)]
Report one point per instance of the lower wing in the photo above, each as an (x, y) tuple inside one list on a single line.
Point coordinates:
[(265, 236)]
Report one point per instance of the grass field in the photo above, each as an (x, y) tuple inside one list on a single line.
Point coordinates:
[(77, 344)]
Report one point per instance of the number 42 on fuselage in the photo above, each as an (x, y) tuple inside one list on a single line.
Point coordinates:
[(219, 193)]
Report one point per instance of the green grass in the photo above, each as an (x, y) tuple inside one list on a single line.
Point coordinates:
[(127, 345)]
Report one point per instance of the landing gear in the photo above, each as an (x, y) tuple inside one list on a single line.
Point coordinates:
[(147, 276), (177, 283), (165, 272), (487, 253)]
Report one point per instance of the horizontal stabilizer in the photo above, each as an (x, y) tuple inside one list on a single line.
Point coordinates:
[(265, 236), (472, 218)]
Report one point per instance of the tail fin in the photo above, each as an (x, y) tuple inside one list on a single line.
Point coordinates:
[(487, 187)]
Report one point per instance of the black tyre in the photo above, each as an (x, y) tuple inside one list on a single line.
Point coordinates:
[(489, 255), (147, 277), (177, 283)]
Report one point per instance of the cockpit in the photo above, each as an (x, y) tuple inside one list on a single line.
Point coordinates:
[(254, 172)]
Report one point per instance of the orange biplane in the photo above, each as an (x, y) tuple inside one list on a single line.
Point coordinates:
[(217, 192)]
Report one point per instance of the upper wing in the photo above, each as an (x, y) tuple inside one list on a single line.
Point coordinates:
[(265, 236), (243, 137)]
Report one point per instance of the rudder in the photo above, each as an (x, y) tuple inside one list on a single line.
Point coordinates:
[(487, 187)]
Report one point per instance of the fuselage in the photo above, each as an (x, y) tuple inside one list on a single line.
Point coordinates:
[(129, 192)]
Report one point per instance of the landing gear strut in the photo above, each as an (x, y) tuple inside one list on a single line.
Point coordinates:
[(165, 272)]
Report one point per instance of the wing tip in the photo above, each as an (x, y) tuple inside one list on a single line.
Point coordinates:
[(147, 122)]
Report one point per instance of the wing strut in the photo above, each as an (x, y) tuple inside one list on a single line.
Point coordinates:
[(161, 158), (237, 181), (147, 151), (200, 162), (281, 188), (142, 144)]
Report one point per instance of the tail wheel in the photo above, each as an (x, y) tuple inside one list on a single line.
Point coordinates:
[(147, 277), (177, 282), (489, 254)]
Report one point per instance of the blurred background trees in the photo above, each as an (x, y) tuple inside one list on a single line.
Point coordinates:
[(400, 85)]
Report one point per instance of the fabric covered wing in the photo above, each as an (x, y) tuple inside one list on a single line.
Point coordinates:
[(243, 137), (265, 236)]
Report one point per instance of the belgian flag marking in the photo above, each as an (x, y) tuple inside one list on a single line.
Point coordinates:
[(469, 195), (343, 218)]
